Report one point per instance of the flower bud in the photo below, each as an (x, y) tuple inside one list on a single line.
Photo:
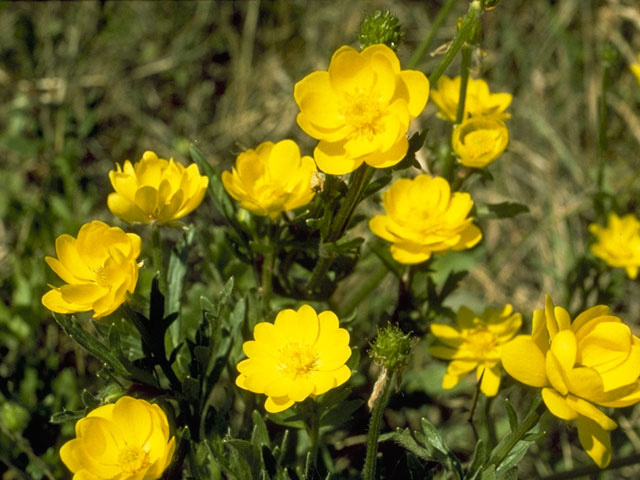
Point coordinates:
[(391, 348), (381, 27)]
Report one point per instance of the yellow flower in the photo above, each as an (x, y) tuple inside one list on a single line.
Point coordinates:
[(618, 244), (99, 268), (478, 141), (594, 360), (271, 179), (298, 355), (155, 189), (128, 440), (476, 342), (423, 217), (635, 69), (360, 108), (479, 100)]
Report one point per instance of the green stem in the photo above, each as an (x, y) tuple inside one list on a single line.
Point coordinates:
[(314, 434), (358, 182), (449, 168), (380, 404), (506, 445), (158, 258), (468, 25), (431, 34)]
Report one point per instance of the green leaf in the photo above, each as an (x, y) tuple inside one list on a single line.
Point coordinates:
[(73, 329), (216, 189), (406, 440), (259, 435), (343, 246), (68, 416), (500, 210), (478, 459), (511, 414), (244, 458), (376, 186)]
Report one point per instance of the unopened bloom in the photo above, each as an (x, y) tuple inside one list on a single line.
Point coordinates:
[(478, 141), (619, 243), (592, 360), (155, 190), (475, 343), (99, 267), (126, 440), (302, 353), (360, 108), (635, 69), (423, 217), (479, 101), (271, 179)]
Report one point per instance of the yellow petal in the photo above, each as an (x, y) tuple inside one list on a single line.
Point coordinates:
[(590, 411), (416, 85), (333, 159), (557, 404), (490, 380), (523, 360), (595, 441), (277, 404)]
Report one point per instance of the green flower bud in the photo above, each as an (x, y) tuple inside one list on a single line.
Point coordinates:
[(391, 348), (381, 27)]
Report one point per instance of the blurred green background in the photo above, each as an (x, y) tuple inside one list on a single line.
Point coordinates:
[(84, 85)]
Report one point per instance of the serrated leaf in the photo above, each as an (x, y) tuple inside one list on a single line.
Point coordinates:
[(500, 210), (73, 329)]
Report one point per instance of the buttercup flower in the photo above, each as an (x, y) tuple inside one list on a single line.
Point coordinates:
[(594, 360), (475, 342), (635, 69), (360, 108), (155, 190), (423, 217), (478, 141), (271, 179), (619, 243), (99, 268), (478, 102), (302, 353), (128, 440)]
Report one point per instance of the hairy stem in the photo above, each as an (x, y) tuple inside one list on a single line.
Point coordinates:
[(379, 405)]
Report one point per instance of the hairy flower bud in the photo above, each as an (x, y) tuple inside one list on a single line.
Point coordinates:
[(381, 27)]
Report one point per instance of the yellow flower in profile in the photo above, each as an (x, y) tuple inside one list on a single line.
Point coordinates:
[(302, 353), (594, 360), (635, 69), (271, 179), (128, 440), (478, 141), (99, 268), (619, 243), (155, 190), (475, 342), (479, 100), (423, 217), (360, 108)]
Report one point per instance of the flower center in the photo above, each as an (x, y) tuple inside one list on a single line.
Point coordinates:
[(101, 278), (297, 360), (363, 114), (133, 459), (481, 342)]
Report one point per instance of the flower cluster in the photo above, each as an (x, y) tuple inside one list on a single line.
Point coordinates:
[(475, 343), (422, 217), (99, 267), (155, 190), (619, 243), (271, 179), (360, 108), (592, 360), (128, 440), (482, 136), (302, 353)]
